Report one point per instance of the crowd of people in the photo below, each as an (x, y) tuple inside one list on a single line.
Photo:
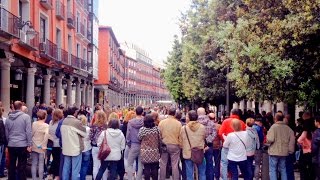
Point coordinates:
[(154, 143)]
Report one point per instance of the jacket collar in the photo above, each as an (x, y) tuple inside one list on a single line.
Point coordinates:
[(281, 122), (234, 116)]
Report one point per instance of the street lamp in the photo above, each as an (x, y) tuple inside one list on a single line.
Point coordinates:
[(18, 75), (52, 82), (64, 85), (31, 33), (39, 80)]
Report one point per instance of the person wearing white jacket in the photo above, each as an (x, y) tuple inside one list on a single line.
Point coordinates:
[(116, 142)]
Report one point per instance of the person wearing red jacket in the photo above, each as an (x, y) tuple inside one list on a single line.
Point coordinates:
[(224, 130)]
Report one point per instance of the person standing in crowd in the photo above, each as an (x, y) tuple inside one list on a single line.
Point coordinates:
[(211, 133), (35, 109), (82, 111), (133, 143), (98, 126), (72, 133), (40, 135), (258, 126), (86, 152), (149, 135), (237, 144), (216, 148), (49, 114), (170, 129), (19, 138), (315, 149), (156, 118), (225, 129), (116, 142), (253, 144), (56, 149), (282, 140), (306, 167), (3, 140), (193, 135)]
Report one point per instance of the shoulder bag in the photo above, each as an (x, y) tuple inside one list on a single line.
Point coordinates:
[(197, 154), (104, 150)]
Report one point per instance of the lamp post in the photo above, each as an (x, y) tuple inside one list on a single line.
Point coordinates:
[(31, 33), (18, 75)]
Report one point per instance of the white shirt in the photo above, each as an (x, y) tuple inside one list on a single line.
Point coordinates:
[(86, 141), (237, 150)]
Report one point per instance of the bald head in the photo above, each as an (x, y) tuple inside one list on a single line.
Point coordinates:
[(24, 109), (201, 111)]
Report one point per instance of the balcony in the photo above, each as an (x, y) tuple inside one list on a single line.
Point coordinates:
[(63, 56), (75, 61), (60, 10), (27, 43), (70, 20), (83, 64), (47, 4), (48, 50), (8, 28)]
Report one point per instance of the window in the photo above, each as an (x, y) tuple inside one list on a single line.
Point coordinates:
[(78, 50), (43, 27), (84, 54), (58, 38), (78, 22)]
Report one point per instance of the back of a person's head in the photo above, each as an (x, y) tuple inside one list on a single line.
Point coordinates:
[(236, 125), (139, 111), (130, 115), (114, 124), (306, 115), (49, 110), (57, 115), (278, 117), (178, 115), (250, 122), (201, 111), (83, 119), (148, 121), (24, 109), (317, 119), (100, 118), (72, 111), (41, 114), (172, 111), (17, 105), (192, 115), (235, 112), (113, 115)]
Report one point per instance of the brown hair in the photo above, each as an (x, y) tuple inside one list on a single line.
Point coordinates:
[(130, 115), (101, 118), (57, 115), (83, 119), (155, 117), (236, 125), (1, 111), (250, 122), (41, 114), (113, 115)]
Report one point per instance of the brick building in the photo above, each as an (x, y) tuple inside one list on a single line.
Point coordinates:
[(48, 51)]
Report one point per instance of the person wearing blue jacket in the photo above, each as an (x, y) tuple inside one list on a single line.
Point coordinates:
[(258, 126)]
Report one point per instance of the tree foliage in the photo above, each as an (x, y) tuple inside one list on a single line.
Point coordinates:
[(271, 48)]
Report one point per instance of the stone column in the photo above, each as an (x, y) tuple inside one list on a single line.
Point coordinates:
[(83, 94), (235, 105), (91, 95), (241, 105), (280, 107), (59, 90), (46, 89), (78, 93), (30, 89), (249, 105), (69, 92), (87, 94), (5, 83)]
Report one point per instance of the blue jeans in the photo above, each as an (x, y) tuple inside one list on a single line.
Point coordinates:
[(243, 165), (85, 164), (224, 163), (201, 170), (2, 159), (112, 167), (72, 164), (275, 163), (209, 163), (250, 166), (217, 158), (289, 166)]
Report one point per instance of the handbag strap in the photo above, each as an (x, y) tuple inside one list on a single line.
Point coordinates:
[(105, 136), (185, 129), (241, 141)]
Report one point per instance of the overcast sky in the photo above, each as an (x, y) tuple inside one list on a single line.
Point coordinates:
[(150, 24)]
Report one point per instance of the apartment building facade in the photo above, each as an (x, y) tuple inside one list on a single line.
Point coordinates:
[(48, 51)]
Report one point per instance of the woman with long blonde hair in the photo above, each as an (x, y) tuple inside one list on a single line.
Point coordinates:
[(98, 126)]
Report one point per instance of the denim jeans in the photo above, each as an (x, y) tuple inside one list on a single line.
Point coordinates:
[(243, 165), (174, 153), (250, 169), (20, 154), (37, 163), (275, 163), (134, 153), (2, 159), (72, 164), (224, 163), (289, 166), (85, 164), (209, 163), (112, 167), (97, 163), (151, 171), (217, 158), (55, 164), (201, 170)]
